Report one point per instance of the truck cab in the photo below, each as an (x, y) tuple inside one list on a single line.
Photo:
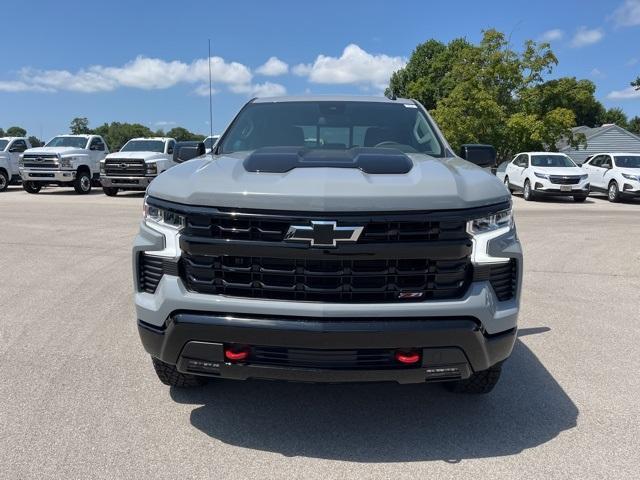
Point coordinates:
[(137, 163), (10, 150), (65, 161)]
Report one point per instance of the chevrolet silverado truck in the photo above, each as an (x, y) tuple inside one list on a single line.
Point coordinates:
[(372, 253), (65, 161), (10, 150), (137, 163)]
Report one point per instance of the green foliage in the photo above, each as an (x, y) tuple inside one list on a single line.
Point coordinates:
[(615, 115), (182, 134), (2, 133), (636, 83), (116, 134), (79, 126), (35, 141), (634, 125), (492, 93), (16, 132)]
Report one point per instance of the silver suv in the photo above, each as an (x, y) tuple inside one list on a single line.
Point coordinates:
[(329, 239)]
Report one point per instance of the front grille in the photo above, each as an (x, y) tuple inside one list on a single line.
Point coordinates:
[(380, 280), (503, 277), (564, 180), (151, 269), (44, 160), (365, 359), (125, 167)]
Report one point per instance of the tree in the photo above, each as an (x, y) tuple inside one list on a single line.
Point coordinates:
[(636, 83), (634, 125), (16, 132), (35, 141), (615, 115), (182, 134), (116, 134), (2, 133), (79, 126)]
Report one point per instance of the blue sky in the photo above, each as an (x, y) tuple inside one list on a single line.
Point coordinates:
[(145, 62)]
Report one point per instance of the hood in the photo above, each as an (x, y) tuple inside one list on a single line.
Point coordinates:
[(559, 170), (431, 184), (628, 171), (147, 156), (58, 150)]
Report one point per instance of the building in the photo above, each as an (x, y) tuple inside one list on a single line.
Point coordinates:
[(607, 138)]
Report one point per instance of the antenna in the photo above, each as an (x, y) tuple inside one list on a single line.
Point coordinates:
[(210, 101)]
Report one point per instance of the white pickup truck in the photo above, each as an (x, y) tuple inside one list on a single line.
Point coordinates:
[(10, 150), (138, 162), (66, 160)]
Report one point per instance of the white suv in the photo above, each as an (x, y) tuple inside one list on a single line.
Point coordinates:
[(546, 174), (618, 174)]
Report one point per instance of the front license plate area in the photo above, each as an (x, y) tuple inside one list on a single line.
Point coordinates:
[(565, 188)]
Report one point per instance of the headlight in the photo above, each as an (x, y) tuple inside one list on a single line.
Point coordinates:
[(103, 169), (490, 222), (542, 175), (584, 177), (152, 168), (165, 218), (635, 178), (66, 162)]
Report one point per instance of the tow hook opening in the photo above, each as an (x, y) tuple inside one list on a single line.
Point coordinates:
[(407, 357), (236, 353)]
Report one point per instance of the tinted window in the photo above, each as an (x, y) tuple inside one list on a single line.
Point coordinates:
[(171, 146), (332, 125), (551, 161), (19, 145), (3, 144), (143, 146), (97, 144), (627, 161), (76, 142), (209, 142), (606, 161)]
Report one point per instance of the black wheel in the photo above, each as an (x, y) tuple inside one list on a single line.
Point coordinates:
[(31, 187), (4, 180), (169, 375), (507, 184), (579, 198), (527, 192), (82, 184), (479, 382), (110, 191), (613, 193)]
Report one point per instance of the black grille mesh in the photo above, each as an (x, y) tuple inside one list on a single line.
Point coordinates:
[(503, 277), (562, 180)]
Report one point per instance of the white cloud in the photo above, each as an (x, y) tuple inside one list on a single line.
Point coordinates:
[(355, 66), (164, 123), (597, 73), (552, 35), (266, 89), (627, 14), (143, 73), (203, 90), (273, 67), (585, 36), (626, 94), (631, 62)]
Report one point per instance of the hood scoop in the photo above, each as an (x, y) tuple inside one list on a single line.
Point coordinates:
[(369, 160)]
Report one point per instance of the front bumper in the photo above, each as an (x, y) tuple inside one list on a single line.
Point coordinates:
[(545, 187), (131, 183), (451, 348), (53, 176), (630, 188)]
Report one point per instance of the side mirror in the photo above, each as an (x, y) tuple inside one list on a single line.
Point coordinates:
[(481, 155), (184, 151)]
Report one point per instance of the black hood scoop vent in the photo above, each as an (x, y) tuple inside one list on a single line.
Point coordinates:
[(369, 160)]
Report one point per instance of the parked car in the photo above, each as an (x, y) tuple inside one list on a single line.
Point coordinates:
[(617, 174), (137, 163), (376, 255), (539, 174), (10, 150), (66, 160)]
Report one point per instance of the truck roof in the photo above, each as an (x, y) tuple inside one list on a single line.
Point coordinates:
[(85, 135), (163, 139), (331, 98), (12, 138)]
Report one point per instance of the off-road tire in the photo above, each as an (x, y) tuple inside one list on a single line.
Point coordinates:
[(31, 187), (169, 375), (82, 184), (613, 192), (527, 192), (110, 191), (4, 180), (478, 383)]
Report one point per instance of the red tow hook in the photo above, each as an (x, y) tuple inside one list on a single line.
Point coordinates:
[(236, 353), (407, 357)]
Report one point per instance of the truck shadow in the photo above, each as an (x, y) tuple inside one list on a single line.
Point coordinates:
[(387, 422)]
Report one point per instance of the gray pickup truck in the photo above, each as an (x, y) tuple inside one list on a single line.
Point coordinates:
[(329, 239)]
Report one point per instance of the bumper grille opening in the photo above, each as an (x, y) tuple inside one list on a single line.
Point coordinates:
[(151, 269), (503, 278), (563, 180)]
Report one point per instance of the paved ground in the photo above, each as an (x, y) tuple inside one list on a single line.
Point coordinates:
[(79, 399)]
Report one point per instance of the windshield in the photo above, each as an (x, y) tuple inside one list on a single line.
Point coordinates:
[(210, 141), (628, 161), (143, 146), (76, 142), (551, 161), (3, 144), (332, 125)]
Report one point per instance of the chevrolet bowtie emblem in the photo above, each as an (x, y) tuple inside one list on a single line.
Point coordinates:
[(322, 234)]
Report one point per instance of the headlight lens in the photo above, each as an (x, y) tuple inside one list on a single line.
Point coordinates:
[(542, 175), (152, 168), (584, 177), (66, 162), (490, 223), (103, 169), (160, 216), (631, 177)]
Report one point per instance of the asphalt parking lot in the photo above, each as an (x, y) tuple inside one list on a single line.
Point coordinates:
[(79, 398)]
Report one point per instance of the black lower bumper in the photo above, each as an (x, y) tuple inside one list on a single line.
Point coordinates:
[(451, 348), (556, 192)]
